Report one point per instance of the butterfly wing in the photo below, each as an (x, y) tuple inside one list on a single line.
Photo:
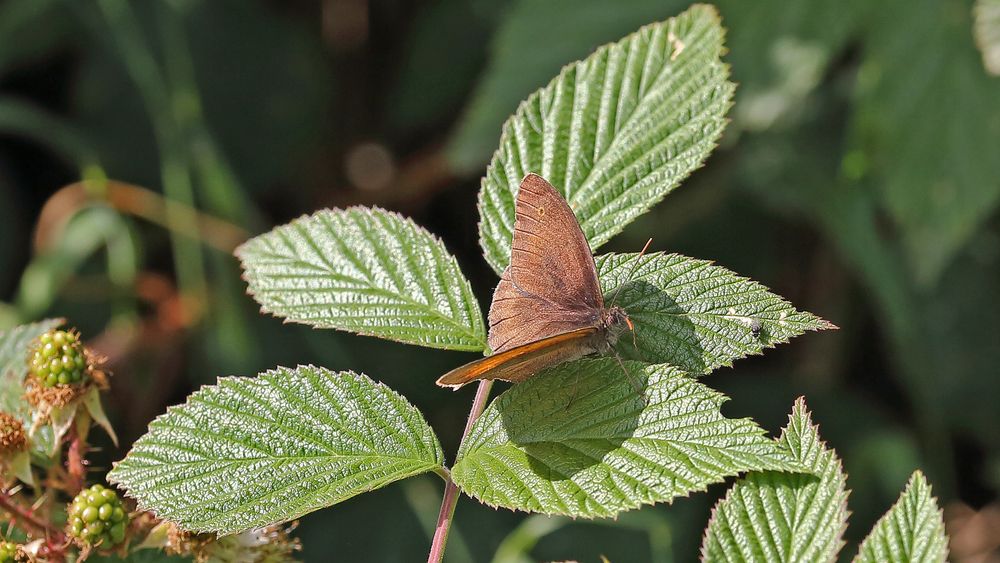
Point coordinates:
[(550, 286), (520, 363)]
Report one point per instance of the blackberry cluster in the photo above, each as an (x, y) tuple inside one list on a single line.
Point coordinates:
[(96, 517), (59, 359), (8, 552)]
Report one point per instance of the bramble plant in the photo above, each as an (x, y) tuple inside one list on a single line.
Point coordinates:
[(615, 133), (51, 513)]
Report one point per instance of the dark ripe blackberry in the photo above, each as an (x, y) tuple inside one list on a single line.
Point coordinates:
[(59, 358), (96, 517)]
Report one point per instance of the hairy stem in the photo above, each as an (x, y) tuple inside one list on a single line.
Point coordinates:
[(26, 519), (76, 465), (450, 489)]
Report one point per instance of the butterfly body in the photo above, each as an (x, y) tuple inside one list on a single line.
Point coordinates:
[(548, 307)]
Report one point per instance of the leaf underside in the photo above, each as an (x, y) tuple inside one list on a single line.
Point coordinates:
[(367, 271), (616, 132), (696, 315), (912, 530), (578, 440), (770, 516), (251, 452)]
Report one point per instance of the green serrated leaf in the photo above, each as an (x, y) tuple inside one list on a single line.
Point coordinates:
[(578, 440), (938, 176), (695, 315), (784, 517), (250, 452), (535, 39), (986, 16), (14, 345), (367, 271), (616, 132), (912, 530)]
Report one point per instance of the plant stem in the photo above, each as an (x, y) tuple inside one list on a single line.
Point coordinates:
[(137, 201), (23, 516), (451, 489), (76, 465)]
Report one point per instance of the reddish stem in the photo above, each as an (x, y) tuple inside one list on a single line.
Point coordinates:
[(451, 489), (24, 516), (76, 465)]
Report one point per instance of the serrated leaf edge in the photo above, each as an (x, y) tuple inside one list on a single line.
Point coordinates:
[(714, 396), (916, 485), (480, 337), (819, 323), (142, 506), (522, 107), (800, 412)]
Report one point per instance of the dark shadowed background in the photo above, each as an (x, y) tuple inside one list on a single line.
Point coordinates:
[(859, 178)]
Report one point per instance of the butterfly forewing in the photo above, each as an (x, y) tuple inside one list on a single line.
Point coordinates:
[(548, 307), (520, 363), (550, 286)]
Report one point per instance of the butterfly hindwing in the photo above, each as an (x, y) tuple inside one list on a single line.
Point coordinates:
[(517, 318)]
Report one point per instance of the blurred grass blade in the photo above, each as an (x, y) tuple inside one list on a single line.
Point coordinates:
[(250, 452), (89, 230), (517, 545), (30, 29), (615, 132), (18, 117), (367, 271), (912, 530), (423, 495), (769, 516), (695, 315), (578, 440)]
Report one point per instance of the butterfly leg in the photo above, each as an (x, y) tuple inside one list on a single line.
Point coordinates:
[(632, 380), (574, 389)]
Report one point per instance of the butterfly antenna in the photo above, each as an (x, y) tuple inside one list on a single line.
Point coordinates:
[(628, 278)]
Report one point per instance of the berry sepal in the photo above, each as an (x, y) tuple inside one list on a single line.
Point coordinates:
[(63, 375), (15, 457)]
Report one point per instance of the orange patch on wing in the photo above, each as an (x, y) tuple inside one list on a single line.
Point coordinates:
[(475, 370)]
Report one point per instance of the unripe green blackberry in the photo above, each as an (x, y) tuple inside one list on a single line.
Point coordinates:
[(97, 517), (8, 552), (59, 358)]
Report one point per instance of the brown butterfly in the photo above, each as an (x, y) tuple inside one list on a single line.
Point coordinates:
[(548, 307)]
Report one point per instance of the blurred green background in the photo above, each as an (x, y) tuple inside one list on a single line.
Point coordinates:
[(859, 178)]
